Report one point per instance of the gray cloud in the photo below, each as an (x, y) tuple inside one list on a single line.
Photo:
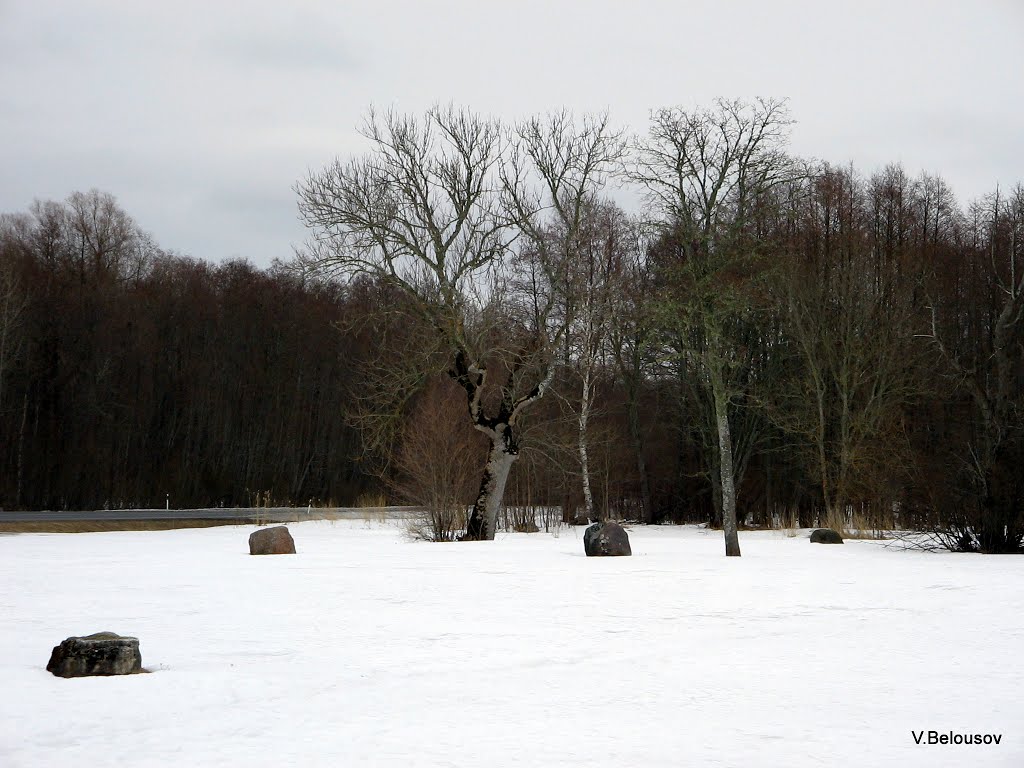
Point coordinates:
[(303, 40), (201, 116)]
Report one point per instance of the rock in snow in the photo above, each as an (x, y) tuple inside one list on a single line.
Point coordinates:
[(271, 541), (104, 653), (606, 539), (826, 536)]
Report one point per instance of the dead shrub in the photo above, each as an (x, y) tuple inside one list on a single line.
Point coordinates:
[(439, 463)]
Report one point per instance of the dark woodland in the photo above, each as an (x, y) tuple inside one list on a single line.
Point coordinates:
[(827, 347)]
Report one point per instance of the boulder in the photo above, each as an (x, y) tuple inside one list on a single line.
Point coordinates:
[(826, 536), (606, 540), (105, 653), (271, 541)]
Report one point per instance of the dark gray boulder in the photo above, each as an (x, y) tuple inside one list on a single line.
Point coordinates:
[(104, 653), (826, 536), (271, 541), (606, 540)]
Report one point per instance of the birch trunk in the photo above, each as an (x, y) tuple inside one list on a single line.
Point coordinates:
[(588, 495)]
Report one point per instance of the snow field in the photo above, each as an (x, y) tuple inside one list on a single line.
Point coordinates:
[(366, 648)]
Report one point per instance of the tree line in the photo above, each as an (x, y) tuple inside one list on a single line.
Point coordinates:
[(131, 374), (476, 326)]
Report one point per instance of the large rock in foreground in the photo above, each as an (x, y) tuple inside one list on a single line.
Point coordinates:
[(272, 541), (606, 540), (105, 653), (826, 536)]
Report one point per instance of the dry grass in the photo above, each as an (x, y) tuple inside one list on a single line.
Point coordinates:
[(96, 526), (874, 534), (855, 526), (789, 522), (371, 500)]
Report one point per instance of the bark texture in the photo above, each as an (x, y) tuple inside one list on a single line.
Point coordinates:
[(732, 542)]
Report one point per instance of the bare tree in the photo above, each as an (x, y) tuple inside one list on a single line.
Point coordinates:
[(592, 283), (850, 312), (106, 240), (630, 335), (422, 212), (989, 367), (88, 235), (574, 238), (597, 281), (435, 210), (707, 172)]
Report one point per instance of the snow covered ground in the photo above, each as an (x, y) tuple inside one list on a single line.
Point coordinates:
[(366, 648)]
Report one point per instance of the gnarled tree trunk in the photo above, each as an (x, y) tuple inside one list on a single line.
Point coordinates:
[(500, 429), (483, 519)]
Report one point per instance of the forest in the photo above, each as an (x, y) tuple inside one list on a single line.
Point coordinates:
[(551, 321)]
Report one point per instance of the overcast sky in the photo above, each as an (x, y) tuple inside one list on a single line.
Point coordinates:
[(201, 116)]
